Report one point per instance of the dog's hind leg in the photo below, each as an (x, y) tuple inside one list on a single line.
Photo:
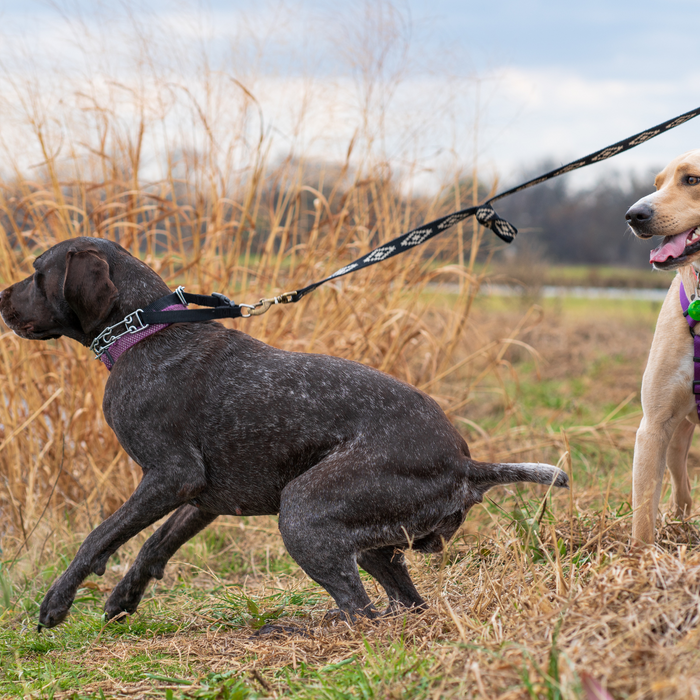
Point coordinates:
[(323, 518), (677, 463), (331, 562), (150, 563), (355, 507), (388, 566)]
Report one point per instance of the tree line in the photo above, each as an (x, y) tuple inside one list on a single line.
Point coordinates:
[(580, 226)]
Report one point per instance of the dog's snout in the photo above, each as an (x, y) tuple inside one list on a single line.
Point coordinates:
[(639, 213)]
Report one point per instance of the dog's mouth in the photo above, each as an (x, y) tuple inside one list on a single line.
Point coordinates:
[(28, 333), (674, 251), (27, 330)]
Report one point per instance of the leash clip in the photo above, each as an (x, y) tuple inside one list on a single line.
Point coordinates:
[(264, 304)]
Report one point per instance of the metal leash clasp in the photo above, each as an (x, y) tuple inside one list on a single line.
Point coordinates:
[(264, 304)]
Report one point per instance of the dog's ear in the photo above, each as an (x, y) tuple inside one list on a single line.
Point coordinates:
[(87, 287)]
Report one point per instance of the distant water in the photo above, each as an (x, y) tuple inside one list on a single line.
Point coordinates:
[(550, 292), (505, 290)]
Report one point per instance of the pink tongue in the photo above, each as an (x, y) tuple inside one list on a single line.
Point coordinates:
[(671, 247)]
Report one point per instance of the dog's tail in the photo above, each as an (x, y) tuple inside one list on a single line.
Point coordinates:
[(485, 474)]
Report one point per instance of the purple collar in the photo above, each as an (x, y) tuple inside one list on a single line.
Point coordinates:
[(685, 303), (112, 354)]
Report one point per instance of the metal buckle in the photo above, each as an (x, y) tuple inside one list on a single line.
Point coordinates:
[(179, 291), (133, 323)]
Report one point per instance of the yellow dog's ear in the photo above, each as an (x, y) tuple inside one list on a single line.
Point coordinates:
[(87, 287)]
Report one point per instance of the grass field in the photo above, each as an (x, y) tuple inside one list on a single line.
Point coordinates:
[(537, 597)]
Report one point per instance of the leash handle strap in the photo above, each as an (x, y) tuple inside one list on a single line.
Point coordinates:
[(685, 303)]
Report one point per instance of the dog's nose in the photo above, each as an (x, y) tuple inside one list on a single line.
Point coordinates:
[(639, 213)]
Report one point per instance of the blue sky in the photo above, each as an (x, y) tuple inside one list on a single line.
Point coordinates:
[(556, 80)]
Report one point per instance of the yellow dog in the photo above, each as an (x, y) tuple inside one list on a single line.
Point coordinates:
[(670, 406)]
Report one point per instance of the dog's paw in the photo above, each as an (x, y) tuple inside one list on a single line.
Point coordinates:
[(54, 608), (121, 603)]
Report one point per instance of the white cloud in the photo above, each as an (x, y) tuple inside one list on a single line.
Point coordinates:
[(564, 116)]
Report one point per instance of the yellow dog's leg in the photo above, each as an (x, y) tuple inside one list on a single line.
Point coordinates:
[(650, 449), (677, 463)]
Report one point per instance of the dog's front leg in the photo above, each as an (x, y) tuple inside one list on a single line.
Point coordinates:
[(154, 497), (650, 449), (182, 525), (666, 401)]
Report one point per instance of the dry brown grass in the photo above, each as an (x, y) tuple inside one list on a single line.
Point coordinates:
[(500, 625)]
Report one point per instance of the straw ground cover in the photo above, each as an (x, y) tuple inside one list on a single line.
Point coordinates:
[(538, 595), (535, 598)]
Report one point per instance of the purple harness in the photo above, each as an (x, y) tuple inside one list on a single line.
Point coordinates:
[(111, 355), (696, 347)]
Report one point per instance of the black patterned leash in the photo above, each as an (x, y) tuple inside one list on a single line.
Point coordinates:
[(484, 214)]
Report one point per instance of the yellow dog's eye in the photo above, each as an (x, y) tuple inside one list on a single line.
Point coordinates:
[(692, 180)]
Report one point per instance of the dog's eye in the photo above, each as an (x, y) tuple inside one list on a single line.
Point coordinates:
[(39, 281), (692, 180)]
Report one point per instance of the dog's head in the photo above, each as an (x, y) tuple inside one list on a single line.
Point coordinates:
[(673, 211), (78, 288)]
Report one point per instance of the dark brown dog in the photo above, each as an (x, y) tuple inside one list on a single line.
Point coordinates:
[(357, 464)]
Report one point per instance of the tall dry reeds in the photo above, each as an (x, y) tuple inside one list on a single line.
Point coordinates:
[(187, 176)]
